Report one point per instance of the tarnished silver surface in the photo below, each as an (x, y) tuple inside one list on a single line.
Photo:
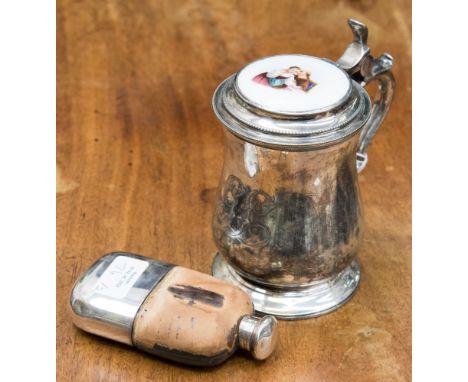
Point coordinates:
[(299, 303), (107, 316), (287, 219)]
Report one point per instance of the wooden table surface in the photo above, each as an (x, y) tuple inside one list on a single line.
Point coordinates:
[(139, 153)]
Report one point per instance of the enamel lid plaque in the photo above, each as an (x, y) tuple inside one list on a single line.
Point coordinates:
[(291, 101), (293, 84)]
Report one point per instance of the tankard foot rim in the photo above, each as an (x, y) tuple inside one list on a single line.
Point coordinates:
[(294, 304)]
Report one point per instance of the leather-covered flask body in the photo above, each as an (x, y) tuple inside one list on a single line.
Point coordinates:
[(166, 310)]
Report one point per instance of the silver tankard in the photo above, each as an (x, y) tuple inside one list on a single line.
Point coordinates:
[(287, 219)]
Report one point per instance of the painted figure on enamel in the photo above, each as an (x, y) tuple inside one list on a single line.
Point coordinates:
[(292, 78)]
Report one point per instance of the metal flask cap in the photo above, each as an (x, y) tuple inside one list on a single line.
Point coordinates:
[(258, 335)]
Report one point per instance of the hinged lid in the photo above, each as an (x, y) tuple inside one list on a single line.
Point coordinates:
[(292, 101)]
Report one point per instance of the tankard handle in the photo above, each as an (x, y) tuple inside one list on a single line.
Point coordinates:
[(364, 68)]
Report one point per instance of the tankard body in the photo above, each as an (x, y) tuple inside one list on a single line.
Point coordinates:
[(287, 217)]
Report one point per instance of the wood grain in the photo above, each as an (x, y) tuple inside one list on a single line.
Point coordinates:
[(139, 154)]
